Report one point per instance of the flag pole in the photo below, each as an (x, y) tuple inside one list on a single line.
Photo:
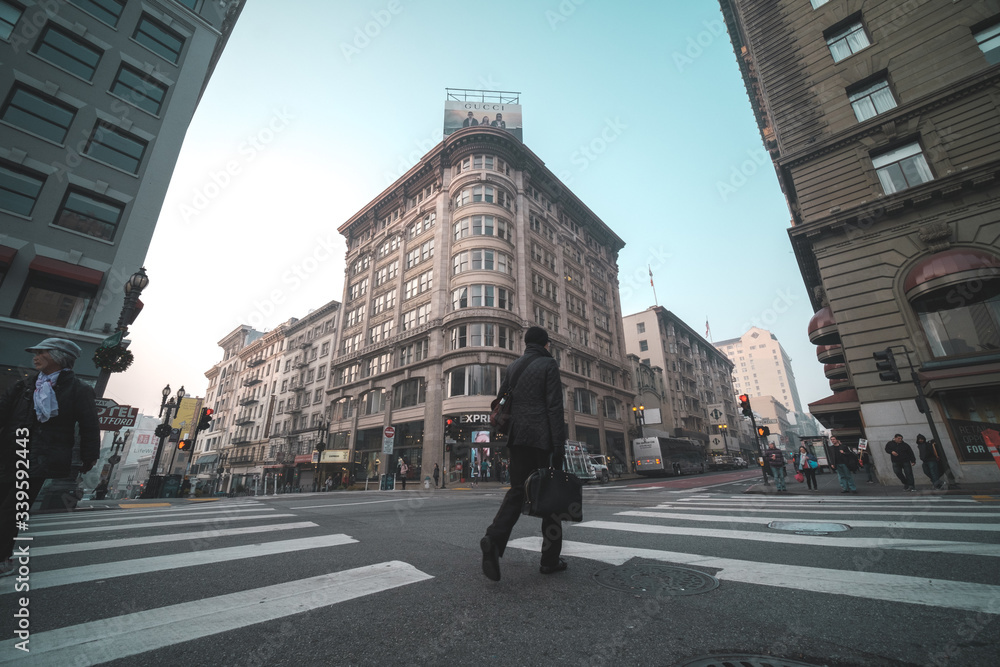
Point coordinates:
[(655, 300)]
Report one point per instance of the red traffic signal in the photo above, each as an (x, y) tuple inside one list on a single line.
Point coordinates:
[(745, 405), (763, 431), (206, 419), (185, 445)]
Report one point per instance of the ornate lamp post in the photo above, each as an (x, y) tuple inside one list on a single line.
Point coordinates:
[(167, 409), (133, 288), (640, 418)]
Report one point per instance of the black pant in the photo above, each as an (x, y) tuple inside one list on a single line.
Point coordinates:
[(523, 462), (10, 514), (810, 475)]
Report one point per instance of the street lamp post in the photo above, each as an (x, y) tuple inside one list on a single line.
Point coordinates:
[(133, 288), (640, 418), (167, 408)]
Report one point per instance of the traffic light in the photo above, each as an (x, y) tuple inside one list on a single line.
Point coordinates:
[(451, 428), (763, 431), (745, 405), (206, 419), (185, 445), (885, 363)]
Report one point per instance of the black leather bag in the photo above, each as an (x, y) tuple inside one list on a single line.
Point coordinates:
[(553, 493)]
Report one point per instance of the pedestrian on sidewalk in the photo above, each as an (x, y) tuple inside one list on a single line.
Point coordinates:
[(930, 459), (776, 460), (902, 460), (807, 466), (536, 439), (403, 470), (844, 463), (42, 417), (474, 475), (437, 474), (868, 464)]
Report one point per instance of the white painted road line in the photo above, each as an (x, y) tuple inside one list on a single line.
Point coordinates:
[(123, 568), (365, 502), (926, 512), (822, 500), (941, 546), (118, 516), (909, 525), (110, 639), (982, 598), (207, 533), (156, 524)]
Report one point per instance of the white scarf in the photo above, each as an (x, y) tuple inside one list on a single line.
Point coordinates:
[(46, 404)]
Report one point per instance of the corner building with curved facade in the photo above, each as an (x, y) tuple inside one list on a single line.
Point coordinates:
[(446, 269)]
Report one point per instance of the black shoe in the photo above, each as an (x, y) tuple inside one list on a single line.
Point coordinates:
[(854, 491), (491, 559), (552, 569), (845, 491)]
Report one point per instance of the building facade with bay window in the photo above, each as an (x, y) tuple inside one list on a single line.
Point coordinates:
[(446, 269), (884, 130)]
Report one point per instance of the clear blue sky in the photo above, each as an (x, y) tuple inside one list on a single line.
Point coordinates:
[(316, 106)]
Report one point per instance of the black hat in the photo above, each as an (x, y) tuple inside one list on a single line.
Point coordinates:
[(536, 335)]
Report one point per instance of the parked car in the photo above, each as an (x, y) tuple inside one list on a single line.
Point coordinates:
[(600, 463)]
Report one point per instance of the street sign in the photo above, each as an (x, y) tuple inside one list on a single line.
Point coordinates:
[(388, 435), (717, 413), (114, 417)]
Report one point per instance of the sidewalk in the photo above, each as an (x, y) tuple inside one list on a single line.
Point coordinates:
[(829, 485)]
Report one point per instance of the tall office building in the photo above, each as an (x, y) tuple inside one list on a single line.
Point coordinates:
[(96, 99), (446, 269), (881, 120), (761, 367)]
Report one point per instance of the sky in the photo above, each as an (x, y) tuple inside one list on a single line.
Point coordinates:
[(316, 107)]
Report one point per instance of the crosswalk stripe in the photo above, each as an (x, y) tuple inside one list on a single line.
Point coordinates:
[(153, 524), (129, 517), (926, 512), (943, 593), (797, 500), (165, 509), (96, 572), (208, 533), (941, 546), (110, 639), (910, 525)]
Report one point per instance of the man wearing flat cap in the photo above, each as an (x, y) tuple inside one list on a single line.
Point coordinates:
[(537, 432), (40, 420)]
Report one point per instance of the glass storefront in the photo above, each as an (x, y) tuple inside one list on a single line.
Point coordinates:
[(969, 413)]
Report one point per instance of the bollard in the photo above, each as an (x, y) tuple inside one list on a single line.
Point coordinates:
[(427, 482)]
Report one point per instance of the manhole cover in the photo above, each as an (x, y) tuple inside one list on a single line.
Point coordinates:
[(744, 661), (808, 527), (651, 579)]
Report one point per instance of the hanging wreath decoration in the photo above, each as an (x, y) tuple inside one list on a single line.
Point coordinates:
[(115, 359)]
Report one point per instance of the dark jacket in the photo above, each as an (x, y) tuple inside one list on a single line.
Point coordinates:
[(50, 445), (843, 454), (537, 402), (926, 451), (903, 452), (775, 458)]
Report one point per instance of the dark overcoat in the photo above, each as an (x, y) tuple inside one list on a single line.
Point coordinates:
[(538, 419)]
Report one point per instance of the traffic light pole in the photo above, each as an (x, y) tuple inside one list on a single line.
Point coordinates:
[(763, 454), (925, 407)]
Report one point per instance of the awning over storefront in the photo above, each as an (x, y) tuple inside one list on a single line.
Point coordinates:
[(840, 411), (823, 328), (6, 256), (950, 267), (208, 458), (74, 272)]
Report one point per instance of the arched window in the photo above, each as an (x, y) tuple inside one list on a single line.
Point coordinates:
[(956, 296), (408, 393), (373, 402), (585, 402)]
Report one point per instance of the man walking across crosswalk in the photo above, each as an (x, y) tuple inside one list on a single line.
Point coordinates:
[(845, 462)]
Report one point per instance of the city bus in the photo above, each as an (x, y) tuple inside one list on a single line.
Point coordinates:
[(658, 457)]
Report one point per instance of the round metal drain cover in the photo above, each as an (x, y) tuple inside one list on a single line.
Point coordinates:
[(808, 527), (735, 660), (652, 579)]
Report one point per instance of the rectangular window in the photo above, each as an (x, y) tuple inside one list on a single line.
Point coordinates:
[(9, 16), (872, 100), (89, 215), (902, 168), (54, 302), (159, 39), (818, 3), (640, 327), (139, 89), (847, 41), (643, 346), (988, 40), (38, 114), (116, 147), (19, 189), (106, 11), (68, 52)]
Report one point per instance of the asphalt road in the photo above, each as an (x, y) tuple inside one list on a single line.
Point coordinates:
[(366, 578)]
